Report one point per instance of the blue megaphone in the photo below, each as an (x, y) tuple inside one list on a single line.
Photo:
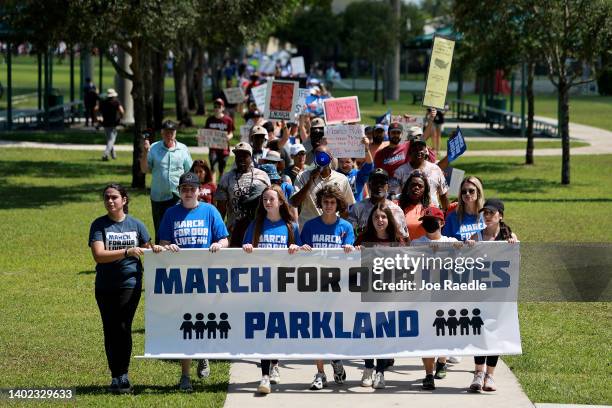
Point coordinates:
[(322, 159)]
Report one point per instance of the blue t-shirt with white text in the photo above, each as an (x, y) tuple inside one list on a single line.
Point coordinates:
[(272, 235), (197, 227), (470, 224), (317, 234)]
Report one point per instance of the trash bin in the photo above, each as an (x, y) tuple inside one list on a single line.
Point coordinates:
[(54, 101), (495, 103)]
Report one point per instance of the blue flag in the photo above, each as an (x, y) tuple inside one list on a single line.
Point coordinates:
[(455, 146)]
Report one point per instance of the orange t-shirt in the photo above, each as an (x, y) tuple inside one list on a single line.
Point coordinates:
[(412, 214)]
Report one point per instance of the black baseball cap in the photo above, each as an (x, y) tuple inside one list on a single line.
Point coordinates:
[(493, 204), (170, 125), (189, 179), (379, 173)]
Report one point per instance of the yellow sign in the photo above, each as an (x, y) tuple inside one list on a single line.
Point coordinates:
[(439, 72)]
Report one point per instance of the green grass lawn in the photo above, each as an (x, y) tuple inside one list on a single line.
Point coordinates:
[(52, 333)]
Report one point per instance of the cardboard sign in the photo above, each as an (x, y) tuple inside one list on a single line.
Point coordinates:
[(340, 110), (300, 105), (213, 138), (234, 95), (407, 122), (244, 133), (439, 72), (259, 95), (297, 65), (281, 97), (454, 177), (345, 141), (455, 146)]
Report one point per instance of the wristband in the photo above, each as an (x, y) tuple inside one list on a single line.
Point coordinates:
[(125, 254)]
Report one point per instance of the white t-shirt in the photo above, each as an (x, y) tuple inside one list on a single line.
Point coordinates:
[(425, 240), (435, 178)]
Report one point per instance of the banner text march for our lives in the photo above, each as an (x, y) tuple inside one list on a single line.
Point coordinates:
[(328, 304)]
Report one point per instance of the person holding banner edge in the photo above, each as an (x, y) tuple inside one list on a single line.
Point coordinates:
[(116, 240), (328, 231), (273, 227), (495, 230), (211, 234)]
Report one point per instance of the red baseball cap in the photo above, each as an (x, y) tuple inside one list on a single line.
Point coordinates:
[(432, 212), (219, 101)]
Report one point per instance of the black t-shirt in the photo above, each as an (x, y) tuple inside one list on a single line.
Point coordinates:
[(110, 112)]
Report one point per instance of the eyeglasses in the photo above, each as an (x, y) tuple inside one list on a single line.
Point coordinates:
[(187, 189), (468, 191)]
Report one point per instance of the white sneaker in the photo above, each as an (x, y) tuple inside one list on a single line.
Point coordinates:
[(453, 360), (264, 385), (366, 378), (478, 381), (319, 382), (379, 381), (274, 375)]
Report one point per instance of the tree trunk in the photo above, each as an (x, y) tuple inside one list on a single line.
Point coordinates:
[(392, 80), (375, 82), (180, 88), (138, 94), (199, 80), (530, 113), (563, 123), (158, 62), (385, 79), (147, 75), (191, 60)]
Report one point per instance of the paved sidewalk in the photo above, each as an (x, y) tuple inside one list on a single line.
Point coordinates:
[(600, 142), (403, 387)]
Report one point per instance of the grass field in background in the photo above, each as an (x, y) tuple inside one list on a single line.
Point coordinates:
[(53, 334), (587, 110)]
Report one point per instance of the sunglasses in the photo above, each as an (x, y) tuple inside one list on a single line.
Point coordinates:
[(468, 191)]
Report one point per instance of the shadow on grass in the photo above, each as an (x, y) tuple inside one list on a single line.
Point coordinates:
[(86, 272), (16, 196), (60, 169), (521, 185)]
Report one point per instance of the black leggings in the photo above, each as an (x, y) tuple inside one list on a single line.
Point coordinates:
[(490, 360), (158, 209), (117, 308), (215, 156), (381, 364), (265, 366)]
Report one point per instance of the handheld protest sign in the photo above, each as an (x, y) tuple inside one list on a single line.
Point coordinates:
[(455, 146), (341, 110), (259, 95), (297, 65), (213, 138), (439, 72), (345, 141), (281, 97), (234, 95), (300, 105), (245, 130), (453, 177)]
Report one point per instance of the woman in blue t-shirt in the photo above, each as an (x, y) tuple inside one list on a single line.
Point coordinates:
[(328, 231), (466, 220), (116, 240), (273, 227)]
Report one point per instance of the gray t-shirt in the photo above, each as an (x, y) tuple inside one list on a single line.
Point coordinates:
[(234, 185), (126, 272)]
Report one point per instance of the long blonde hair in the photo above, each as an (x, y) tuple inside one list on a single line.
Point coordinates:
[(480, 198)]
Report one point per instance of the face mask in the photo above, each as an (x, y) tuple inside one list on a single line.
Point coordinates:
[(430, 225)]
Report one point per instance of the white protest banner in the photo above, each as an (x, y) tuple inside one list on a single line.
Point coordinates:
[(213, 138), (300, 105), (297, 65), (281, 97), (345, 141), (439, 72), (259, 95), (341, 110), (234, 95), (244, 133), (269, 304)]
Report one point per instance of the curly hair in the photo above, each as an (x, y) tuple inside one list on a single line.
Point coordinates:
[(404, 200), (330, 191)]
